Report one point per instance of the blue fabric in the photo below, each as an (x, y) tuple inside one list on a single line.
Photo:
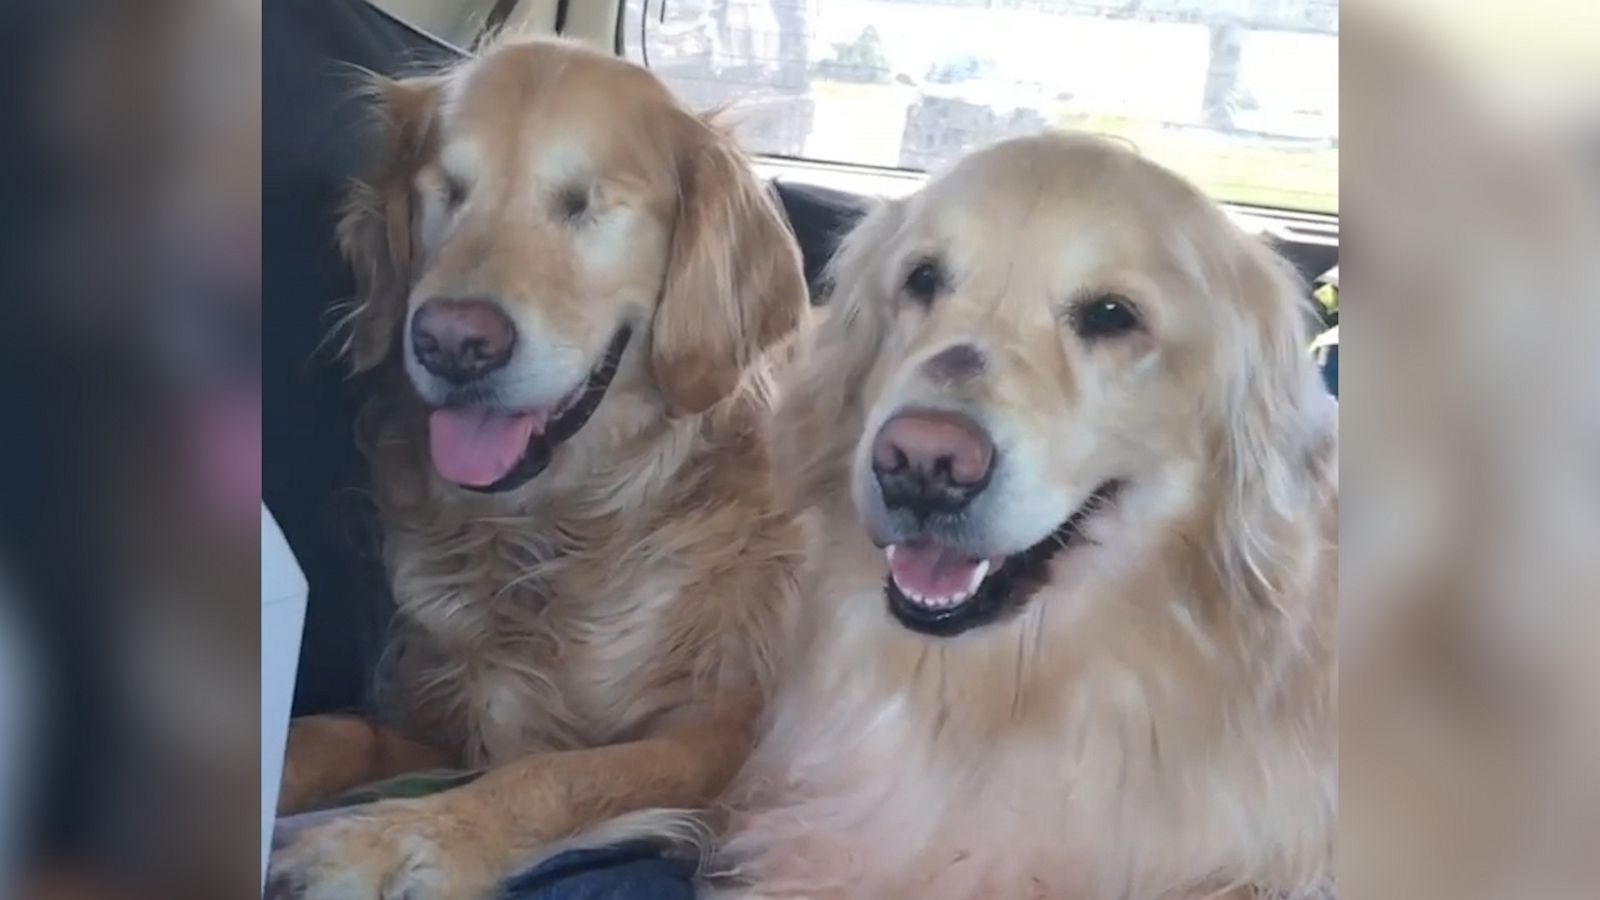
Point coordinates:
[(634, 871), (1325, 349)]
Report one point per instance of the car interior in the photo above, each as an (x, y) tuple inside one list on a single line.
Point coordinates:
[(315, 54)]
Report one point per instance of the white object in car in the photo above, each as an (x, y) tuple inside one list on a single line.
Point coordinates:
[(283, 614)]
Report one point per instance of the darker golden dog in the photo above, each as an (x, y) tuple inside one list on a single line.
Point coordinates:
[(577, 286)]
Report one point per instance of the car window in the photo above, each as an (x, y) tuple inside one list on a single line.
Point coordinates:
[(455, 21), (1242, 96)]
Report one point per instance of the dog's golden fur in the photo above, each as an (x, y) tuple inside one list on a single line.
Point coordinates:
[(1159, 720), (600, 638)]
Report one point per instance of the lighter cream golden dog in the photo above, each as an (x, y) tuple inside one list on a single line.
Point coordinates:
[(577, 287), (1069, 627)]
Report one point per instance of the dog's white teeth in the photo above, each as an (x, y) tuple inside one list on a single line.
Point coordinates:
[(975, 580), (936, 602)]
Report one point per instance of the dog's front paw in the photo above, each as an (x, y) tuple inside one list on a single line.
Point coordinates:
[(400, 850)]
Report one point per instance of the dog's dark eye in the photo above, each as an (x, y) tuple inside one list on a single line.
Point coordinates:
[(1105, 316), (925, 280), (455, 193), (573, 203)]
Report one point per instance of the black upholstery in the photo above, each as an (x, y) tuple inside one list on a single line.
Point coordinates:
[(820, 218), (312, 476)]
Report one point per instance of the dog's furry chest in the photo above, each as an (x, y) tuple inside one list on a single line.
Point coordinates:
[(508, 643), (1090, 783), (1026, 828)]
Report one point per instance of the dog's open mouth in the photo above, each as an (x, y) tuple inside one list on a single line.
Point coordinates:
[(492, 450), (939, 591)]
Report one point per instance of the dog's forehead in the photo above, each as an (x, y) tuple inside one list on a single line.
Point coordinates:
[(1020, 228), (1064, 210), (1064, 176), (525, 83), (563, 123)]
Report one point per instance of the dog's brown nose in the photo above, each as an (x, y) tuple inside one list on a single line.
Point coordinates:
[(462, 340), (930, 462)]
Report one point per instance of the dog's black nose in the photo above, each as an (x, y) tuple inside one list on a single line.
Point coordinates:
[(462, 340), (929, 462)]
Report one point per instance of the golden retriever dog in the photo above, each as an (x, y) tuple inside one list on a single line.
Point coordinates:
[(1069, 633), (580, 289)]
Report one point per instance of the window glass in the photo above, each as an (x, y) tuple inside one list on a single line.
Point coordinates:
[(455, 21), (1241, 96)]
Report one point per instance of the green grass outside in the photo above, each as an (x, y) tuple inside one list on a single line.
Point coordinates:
[(1251, 171), (1233, 169)]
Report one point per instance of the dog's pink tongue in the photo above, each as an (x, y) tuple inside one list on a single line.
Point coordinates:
[(477, 447), (930, 570)]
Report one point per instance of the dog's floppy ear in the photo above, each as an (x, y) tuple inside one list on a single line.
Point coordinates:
[(1281, 443), (734, 284), (376, 232)]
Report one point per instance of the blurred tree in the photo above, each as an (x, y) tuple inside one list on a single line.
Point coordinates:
[(861, 60), (794, 71), (1222, 76)]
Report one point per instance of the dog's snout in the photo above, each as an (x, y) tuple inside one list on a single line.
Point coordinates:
[(931, 462), (462, 340)]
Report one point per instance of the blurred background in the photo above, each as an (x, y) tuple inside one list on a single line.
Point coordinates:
[(130, 464), (1460, 137), (1470, 423)]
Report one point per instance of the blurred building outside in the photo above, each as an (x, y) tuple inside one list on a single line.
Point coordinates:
[(1240, 95)]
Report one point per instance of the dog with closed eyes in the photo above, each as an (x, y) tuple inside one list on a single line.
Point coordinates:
[(1070, 480), (577, 291)]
